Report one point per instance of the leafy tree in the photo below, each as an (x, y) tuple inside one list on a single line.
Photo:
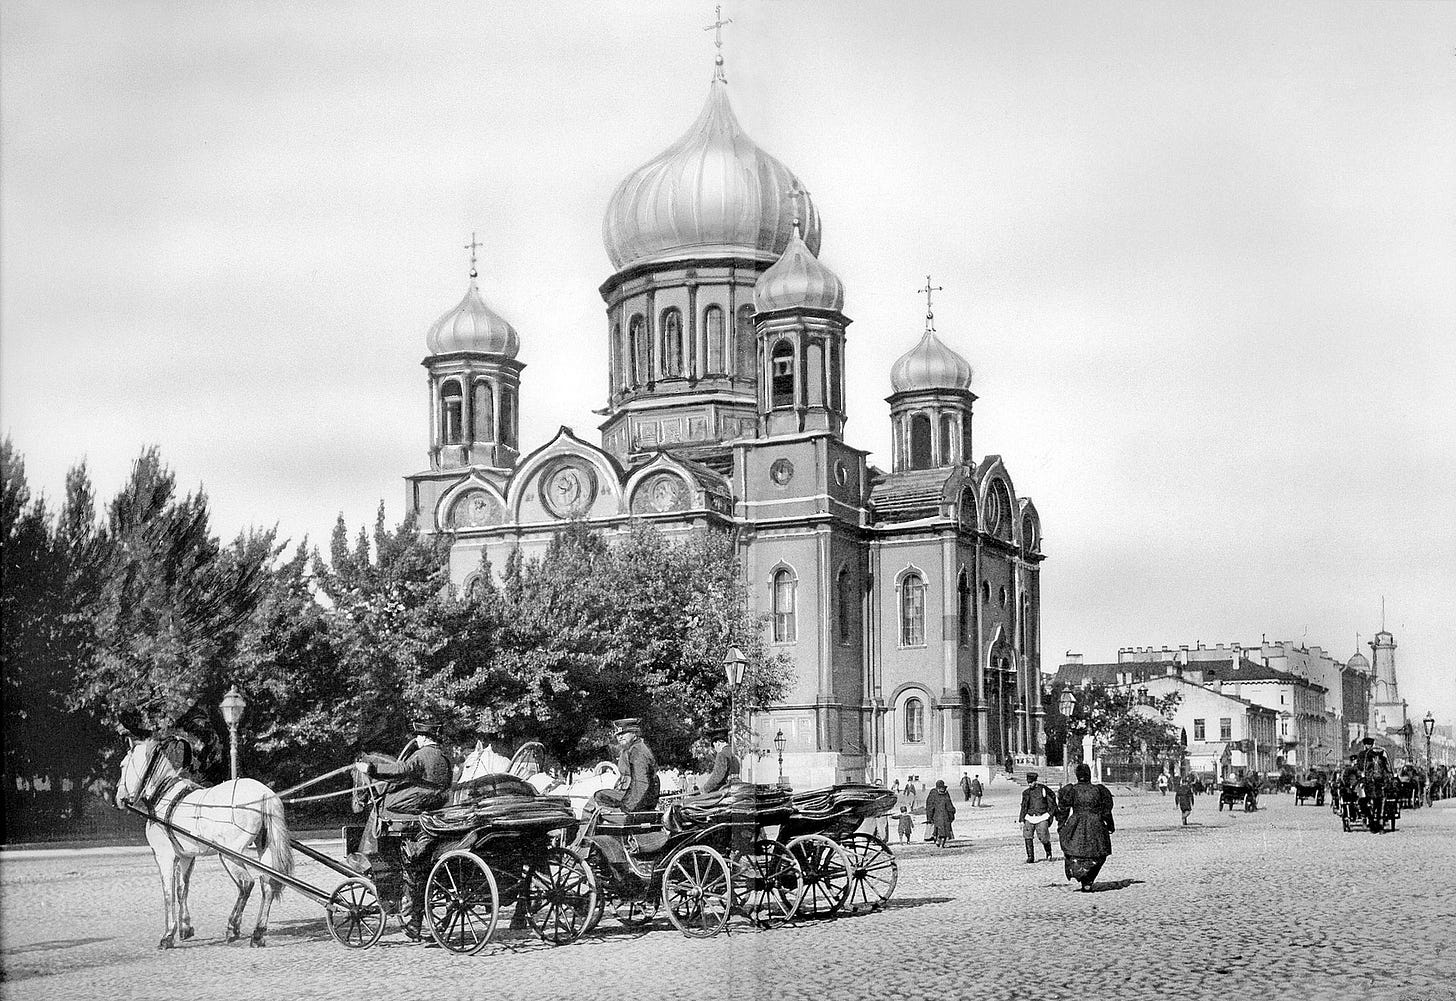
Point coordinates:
[(1116, 719)]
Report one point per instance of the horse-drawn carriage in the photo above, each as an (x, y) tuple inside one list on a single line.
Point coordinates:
[(839, 813), (1369, 795), (1311, 787), (1245, 791)]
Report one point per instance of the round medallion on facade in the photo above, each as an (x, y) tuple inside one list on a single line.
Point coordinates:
[(661, 493), (568, 488), (781, 472), (474, 509)]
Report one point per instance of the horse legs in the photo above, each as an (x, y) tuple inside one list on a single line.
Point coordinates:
[(272, 888), (183, 881), (242, 877), (166, 867)]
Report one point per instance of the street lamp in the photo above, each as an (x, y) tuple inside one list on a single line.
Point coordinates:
[(1067, 704), (233, 705), (1429, 724), (733, 664), (1143, 695), (779, 742)]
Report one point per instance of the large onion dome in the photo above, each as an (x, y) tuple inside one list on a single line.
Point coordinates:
[(930, 365), (798, 280), (473, 326), (714, 192)]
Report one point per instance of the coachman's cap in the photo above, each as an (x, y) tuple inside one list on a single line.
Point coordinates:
[(717, 733), (1031, 776), (427, 725), (632, 724)]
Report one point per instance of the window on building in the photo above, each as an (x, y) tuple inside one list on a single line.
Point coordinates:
[(619, 356), (482, 413), (1226, 728), (920, 441), (914, 721), (836, 378), (641, 351), (745, 344), (963, 609), (1283, 728), (947, 440), (782, 373), (912, 611), (845, 595), (672, 342), (717, 340), (783, 607), (1199, 732), (985, 592), (965, 437), (451, 404), (508, 416)]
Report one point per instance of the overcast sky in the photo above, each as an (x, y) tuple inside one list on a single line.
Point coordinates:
[(1202, 257)]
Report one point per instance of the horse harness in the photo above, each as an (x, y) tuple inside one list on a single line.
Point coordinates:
[(178, 784)]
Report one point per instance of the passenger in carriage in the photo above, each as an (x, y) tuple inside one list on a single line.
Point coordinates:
[(419, 783), (726, 766), (637, 788)]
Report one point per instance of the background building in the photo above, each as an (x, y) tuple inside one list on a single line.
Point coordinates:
[(909, 601)]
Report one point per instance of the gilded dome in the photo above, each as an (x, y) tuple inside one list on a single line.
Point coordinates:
[(798, 279), (930, 365), (1358, 663), (714, 192), (473, 326)]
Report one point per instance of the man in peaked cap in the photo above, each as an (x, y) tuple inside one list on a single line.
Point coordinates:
[(726, 766), (420, 782), (637, 787)]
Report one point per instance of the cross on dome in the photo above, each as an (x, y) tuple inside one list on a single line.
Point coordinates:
[(473, 246), (796, 193), (717, 29), (929, 312)]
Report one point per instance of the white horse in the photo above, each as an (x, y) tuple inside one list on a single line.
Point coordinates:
[(239, 815)]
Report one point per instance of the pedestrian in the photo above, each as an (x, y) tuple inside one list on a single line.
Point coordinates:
[(895, 788), (966, 786), (1085, 826), (1163, 783), (1184, 798), (976, 790), (907, 825), (910, 790), (939, 813), (1038, 803)]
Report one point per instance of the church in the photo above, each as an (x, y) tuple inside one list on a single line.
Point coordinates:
[(908, 601)]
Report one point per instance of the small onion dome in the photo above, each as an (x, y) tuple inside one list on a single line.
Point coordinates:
[(712, 193), (930, 365), (473, 326), (1358, 662), (798, 280)]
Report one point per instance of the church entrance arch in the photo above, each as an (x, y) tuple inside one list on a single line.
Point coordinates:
[(1001, 702)]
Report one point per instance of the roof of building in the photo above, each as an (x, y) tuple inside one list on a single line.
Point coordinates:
[(909, 495), (473, 326), (798, 280)]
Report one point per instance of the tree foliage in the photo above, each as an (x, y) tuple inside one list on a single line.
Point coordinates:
[(1118, 721)]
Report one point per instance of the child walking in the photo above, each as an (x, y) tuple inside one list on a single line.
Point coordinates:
[(907, 825)]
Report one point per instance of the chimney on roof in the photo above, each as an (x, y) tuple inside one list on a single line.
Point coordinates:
[(1218, 646), (1200, 644), (1183, 655), (1073, 658)]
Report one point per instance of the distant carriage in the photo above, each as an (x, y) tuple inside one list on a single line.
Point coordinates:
[(1369, 794), (1311, 787), (1245, 792)]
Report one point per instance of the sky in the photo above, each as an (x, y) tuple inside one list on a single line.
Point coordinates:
[(1202, 257)]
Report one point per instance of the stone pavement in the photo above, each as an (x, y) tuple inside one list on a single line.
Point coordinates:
[(1278, 903)]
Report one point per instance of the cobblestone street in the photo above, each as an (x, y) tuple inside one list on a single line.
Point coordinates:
[(1280, 903)]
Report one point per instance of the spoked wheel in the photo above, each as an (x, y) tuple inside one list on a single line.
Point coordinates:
[(827, 869), (767, 883), (697, 891), (873, 872), (354, 915), (635, 912), (563, 897), (630, 911), (462, 903)]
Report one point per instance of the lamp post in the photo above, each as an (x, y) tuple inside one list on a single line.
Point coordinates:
[(1429, 725), (779, 743), (1067, 705), (233, 705), (733, 664), (1144, 744)]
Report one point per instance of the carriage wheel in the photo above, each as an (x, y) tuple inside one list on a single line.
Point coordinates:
[(563, 897), (827, 868), (873, 874), (635, 912), (353, 914), (767, 883), (697, 891), (462, 903), (630, 911)]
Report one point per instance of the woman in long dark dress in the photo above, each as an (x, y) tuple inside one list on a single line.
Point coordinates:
[(1084, 826), (940, 812)]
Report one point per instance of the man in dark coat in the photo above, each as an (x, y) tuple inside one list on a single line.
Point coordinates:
[(1038, 804), (939, 813), (637, 788), (726, 766), (418, 783), (966, 786)]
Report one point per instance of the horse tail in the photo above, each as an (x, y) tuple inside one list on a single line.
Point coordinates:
[(274, 848)]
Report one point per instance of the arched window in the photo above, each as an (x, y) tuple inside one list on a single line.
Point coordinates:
[(641, 351), (508, 416), (482, 412), (784, 630), (1028, 534), (744, 337), (781, 367), (450, 410), (963, 609), (985, 592), (717, 340), (672, 343), (965, 437), (947, 440), (835, 392), (912, 610), (814, 362), (847, 600), (621, 357), (914, 721), (919, 441)]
